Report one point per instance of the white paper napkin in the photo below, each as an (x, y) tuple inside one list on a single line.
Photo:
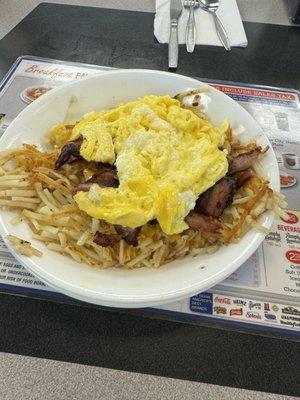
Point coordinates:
[(206, 33)]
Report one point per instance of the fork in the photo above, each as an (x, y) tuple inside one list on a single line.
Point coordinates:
[(191, 26)]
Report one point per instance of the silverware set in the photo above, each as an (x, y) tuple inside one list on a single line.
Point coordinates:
[(176, 7)]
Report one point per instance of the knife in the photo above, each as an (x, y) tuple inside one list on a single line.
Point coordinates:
[(175, 12)]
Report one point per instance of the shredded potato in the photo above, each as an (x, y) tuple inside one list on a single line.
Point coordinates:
[(23, 247)]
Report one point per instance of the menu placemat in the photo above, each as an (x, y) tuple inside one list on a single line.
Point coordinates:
[(265, 290)]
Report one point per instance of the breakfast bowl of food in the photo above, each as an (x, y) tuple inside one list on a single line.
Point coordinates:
[(135, 188)]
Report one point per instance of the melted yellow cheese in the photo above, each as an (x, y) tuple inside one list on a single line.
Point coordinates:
[(165, 155)]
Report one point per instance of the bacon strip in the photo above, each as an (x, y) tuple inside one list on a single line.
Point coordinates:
[(130, 235), (106, 240), (108, 178), (217, 198), (242, 177), (241, 161), (202, 223), (69, 153)]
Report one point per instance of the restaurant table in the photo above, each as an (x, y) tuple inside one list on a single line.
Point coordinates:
[(129, 340)]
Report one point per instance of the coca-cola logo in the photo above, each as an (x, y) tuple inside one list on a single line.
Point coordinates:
[(222, 300), (293, 219), (293, 256)]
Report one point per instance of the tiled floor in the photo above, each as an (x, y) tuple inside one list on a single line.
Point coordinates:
[(28, 378)]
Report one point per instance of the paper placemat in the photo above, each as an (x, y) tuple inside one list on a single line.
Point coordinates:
[(265, 290)]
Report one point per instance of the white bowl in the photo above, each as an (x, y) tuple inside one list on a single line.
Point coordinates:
[(142, 287)]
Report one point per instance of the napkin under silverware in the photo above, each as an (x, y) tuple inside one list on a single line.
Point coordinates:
[(228, 12)]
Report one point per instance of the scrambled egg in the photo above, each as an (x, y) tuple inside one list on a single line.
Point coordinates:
[(165, 155)]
